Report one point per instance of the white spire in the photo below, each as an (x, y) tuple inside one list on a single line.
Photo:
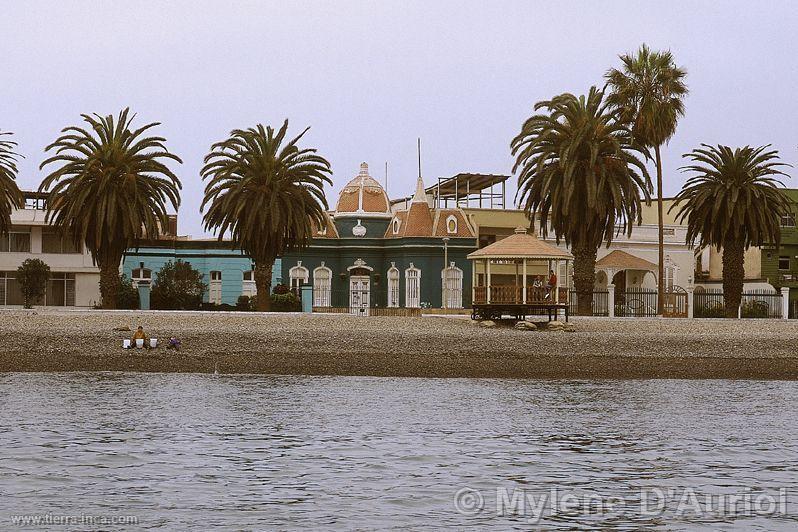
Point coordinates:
[(420, 196)]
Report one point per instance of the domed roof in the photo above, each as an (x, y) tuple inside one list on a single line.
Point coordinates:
[(363, 195)]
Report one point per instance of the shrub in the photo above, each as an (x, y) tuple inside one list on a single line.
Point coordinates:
[(287, 302), (178, 286), (244, 303), (32, 277), (754, 309), (128, 297)]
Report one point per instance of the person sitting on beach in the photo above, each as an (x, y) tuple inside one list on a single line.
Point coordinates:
[(174, 343), (139, 335)]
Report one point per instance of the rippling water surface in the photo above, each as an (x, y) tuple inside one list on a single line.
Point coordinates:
[(261, 452)]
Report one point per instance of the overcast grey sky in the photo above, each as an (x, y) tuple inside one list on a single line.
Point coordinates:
[(370, 77)]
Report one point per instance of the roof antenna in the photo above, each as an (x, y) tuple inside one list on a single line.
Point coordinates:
[(419, 157), (386, 179)]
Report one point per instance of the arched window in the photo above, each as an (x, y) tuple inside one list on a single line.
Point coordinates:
[(322, 286), (451, 224), (452, 283), (298, 275), (412, 287), (248, 287), (671, 272), (141, 274), (393, 285)]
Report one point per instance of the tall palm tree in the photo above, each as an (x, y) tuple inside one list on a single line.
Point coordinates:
[(10, 195), (580, 172), (267, 193), (732, 201), (110, 190), (650, 89)]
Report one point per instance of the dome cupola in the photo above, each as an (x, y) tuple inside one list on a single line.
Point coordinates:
[(363, 197)]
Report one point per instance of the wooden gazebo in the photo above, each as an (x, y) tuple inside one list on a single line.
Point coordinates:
[(510, 277)]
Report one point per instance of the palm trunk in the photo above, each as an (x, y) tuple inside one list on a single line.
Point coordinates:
[(584, 278), (110, 283), (733, 276), (263, 283), (661, 235)]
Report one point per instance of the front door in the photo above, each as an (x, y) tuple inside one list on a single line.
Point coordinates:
[(215, 288), (359, 287)]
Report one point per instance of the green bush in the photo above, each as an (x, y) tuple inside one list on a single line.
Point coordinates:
[(754, 309), (287, 302), (717, 311), (128, 297), (178, 286), (32, 277)]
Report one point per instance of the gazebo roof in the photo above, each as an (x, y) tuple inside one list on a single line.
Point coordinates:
[(520, 246), (621, 260)]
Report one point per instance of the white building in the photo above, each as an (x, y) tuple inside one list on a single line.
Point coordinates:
[(74, 280)]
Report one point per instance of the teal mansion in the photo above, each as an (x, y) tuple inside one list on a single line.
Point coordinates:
[(373, 255), (369, 255)]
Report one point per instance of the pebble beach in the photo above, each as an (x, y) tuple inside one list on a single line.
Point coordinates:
[(429, 346)]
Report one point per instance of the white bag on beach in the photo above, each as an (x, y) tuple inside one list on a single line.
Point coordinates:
[(126, 344), (139, 343), (153, 342)]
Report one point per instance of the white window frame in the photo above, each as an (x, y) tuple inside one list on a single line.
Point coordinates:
[(787, 220), (140, 274), (787, 258), (298, 275), (452, 287), (393, 286), (412, 287), (322, 286), (248, 286), (396, 224), (451, 218)]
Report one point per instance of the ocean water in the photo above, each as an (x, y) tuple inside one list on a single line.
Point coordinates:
[(192, 452)]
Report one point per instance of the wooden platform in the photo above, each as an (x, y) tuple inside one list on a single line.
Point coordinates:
[(519, 311)]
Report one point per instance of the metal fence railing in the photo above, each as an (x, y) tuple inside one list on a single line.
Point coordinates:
[(758, 303), (636, 302), (599, 303)]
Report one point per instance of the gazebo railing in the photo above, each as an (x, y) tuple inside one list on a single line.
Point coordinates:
[(514, 295)]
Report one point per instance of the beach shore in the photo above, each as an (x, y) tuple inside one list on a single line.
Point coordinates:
[(319, 344)]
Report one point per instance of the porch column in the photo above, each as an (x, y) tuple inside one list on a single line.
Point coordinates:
[(557, 284), (515, 294), (611, 300), (474, 281), (785, 302), (487, 280), (523, 284), (690, 309)]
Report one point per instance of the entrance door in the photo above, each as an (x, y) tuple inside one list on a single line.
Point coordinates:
[(359, 292), (215, 288)]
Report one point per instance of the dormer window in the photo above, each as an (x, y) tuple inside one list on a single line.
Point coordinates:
[(451, 224), (396, 224)]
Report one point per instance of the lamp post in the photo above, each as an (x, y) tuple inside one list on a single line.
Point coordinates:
[(445, 274)]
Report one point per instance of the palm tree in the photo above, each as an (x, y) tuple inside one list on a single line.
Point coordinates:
[(581, 175), (732, 201), (267, 193), (650, 89), (110, 190), (10, 195)]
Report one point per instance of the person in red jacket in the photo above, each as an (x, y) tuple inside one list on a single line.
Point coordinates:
[(552, 284)]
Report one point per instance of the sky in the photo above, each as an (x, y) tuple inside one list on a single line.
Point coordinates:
[(369, 78)]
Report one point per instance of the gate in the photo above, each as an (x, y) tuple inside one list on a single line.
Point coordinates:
[(674, 304), (636, 302)]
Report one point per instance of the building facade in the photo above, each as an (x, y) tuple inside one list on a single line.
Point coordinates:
[(371, 256), (779, 265), (227, 271), (74, 279)]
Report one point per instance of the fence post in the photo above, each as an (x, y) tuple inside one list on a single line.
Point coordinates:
[(690, 290), (307, 297), (785, 302), (611, 300)]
